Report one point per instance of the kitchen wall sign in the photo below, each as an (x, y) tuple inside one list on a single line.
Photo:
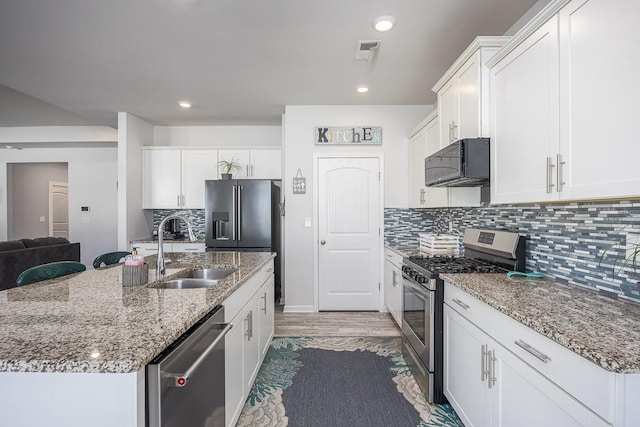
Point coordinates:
[(348, 135), (299, 183)]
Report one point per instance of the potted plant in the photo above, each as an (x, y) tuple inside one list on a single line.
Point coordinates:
[(228, 166), (628, 260)]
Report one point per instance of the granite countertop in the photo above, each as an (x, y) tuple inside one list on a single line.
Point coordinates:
[(404, 250), (601, 329), (88, 322)]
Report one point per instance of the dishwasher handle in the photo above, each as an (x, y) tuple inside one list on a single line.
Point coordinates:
[(182, 379)]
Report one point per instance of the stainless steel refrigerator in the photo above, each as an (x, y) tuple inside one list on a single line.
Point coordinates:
[(244, 215)]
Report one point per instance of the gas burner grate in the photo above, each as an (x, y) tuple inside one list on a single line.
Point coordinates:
[(443, 264)]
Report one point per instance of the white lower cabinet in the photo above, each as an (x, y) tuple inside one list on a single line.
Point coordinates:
[(489, 385), (145, 249), (393, 284), (250, 310)]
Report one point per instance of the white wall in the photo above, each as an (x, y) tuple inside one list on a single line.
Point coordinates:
[(133, 222), (92, 182), (218, 136), (299, 148)]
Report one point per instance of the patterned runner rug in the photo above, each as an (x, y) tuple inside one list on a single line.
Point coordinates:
[(336, 382)]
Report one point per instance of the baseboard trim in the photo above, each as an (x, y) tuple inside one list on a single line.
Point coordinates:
[(298, 309)]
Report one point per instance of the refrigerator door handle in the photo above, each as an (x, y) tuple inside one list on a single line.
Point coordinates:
[(239, 213), (234, 215)]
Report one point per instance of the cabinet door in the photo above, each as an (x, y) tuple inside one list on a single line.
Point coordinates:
[(464, 383), (448, 111), (197, 166), (468, 82), (234, 374), (243, 157), (523, 397), (417, 153), (266, 315), (161, 179), (434, 197), (524, 113), (266, 164), (598, 144), (393, 291)]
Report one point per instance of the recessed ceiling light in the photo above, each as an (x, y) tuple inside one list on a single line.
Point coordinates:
[(384, 23), (362, 89), (184, 104)]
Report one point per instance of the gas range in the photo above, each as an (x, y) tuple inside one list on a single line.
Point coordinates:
[(485, 251)]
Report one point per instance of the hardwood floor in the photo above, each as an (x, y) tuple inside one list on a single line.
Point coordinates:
[(335, 324)]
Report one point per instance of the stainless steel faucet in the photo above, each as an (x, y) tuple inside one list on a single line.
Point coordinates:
[(160, 269)]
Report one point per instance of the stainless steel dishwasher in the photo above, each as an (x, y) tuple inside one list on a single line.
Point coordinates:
[(185, 383)]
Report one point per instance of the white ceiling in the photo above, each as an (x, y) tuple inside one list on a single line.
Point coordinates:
[(237, 61)]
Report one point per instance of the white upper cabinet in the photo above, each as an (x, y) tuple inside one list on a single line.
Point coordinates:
[(417, 153), (256, 164), (524, 140), (266, 164), (161, 170), (174, 179), (563, 104), (463, 91), (197, 167)]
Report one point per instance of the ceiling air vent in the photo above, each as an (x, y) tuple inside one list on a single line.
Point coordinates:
[(367, 49)]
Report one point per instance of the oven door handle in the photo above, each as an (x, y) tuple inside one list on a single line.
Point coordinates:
[(180, 380), (409, 284)]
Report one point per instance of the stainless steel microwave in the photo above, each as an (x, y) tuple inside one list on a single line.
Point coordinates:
[(464, 163)]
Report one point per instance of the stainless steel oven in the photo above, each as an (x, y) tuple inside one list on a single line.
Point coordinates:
[(185, 383), (486, 251), (422, 302)]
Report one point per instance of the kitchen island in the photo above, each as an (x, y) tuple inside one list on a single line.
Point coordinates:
[(77, 346)]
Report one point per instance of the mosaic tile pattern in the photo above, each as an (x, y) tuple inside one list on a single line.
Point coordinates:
[(578, 243), (195, 216)]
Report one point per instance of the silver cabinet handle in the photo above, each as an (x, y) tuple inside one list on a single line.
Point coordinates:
[(461, 304), (560, 171), (538, 354), (484, 372), (264, 297), (550, 167), (492, 368), (450, 131), (249, 320), (252, 171), (178, 200), (322, 242), (394, 278), (182, 379), (454, 129)]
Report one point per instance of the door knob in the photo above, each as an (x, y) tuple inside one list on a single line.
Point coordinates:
[(322, 242)]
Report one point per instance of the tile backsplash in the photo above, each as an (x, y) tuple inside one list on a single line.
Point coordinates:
[(579, 243), (195, 217)]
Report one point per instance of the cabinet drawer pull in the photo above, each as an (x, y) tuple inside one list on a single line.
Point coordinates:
[(533, 351), (492, 368), (461, 304), (560, 164), (550, 183), (483, 363)]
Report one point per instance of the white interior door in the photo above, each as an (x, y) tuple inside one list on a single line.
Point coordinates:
[(59, 209), (349, 233)]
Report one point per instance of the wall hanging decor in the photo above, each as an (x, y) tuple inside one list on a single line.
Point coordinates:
[(299, 183)]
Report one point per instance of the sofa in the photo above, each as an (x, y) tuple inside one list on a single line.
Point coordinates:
[(18, 255)]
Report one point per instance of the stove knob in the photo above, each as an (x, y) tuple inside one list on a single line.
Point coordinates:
[(421, 279)]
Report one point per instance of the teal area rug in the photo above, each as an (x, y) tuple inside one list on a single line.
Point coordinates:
[(318, 382)]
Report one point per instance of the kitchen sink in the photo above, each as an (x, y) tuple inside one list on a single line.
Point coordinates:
[(209, 273), (187, 283)]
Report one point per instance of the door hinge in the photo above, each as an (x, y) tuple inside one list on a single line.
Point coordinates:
[(379, 176), (379, 232), (379, 287)]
